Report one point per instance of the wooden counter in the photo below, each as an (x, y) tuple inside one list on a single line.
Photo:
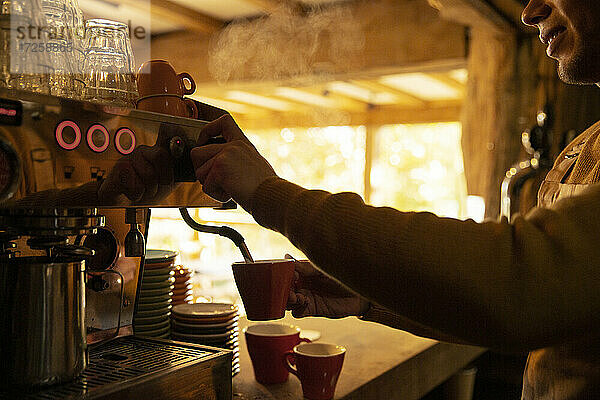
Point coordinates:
[(380, 363)]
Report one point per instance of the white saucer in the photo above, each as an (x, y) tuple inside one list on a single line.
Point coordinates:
[(221, 336), (200, 325), (204, 310), (311, 335)]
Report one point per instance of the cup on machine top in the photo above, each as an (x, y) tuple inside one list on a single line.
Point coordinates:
[(158, 77), (162, 89), (59, 16)]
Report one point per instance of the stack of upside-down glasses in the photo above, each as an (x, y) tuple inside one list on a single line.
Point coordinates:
[(47, 47)]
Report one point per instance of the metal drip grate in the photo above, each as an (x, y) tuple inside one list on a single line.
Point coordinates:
[(122, 359)]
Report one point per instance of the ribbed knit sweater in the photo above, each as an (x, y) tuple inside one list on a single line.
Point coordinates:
[(494, 284)]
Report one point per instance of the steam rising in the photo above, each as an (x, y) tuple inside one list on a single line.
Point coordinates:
[(287, 45)]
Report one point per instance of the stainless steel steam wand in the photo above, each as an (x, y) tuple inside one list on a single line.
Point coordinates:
[(225, 231)]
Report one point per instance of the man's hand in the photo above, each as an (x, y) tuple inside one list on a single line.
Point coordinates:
[(314, 294), (143, 177), (230, 170)]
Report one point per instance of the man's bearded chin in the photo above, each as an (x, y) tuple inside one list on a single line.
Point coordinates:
[(580, 69)]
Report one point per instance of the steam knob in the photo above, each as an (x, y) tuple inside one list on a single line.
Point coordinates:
[(135, 245)]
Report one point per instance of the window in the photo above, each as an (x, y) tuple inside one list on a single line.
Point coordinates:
[(419, 168)]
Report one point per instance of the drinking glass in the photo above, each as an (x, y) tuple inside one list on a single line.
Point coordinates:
[(20, 69), (30, 72), (108, 64), (29, 9), (4, 55), (78, 24), (59, 48)]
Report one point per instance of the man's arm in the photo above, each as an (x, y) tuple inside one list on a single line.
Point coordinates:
[(515, 286), (382, 315), (519, 286)]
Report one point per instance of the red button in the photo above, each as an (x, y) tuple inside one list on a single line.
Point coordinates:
[(90, 138), (128, 148), (60, 139)]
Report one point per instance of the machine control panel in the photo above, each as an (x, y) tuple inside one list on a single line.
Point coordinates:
[(69, 135), (62, 143)]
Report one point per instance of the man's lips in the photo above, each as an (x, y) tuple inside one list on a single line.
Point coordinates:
[(548, 35)]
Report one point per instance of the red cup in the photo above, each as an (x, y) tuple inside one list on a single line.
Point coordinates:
[(318, 366), (159, 77), (267, 345), (168, 104), (264, 287)]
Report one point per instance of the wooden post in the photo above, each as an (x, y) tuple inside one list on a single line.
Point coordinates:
[(369, 138), (488, 114)]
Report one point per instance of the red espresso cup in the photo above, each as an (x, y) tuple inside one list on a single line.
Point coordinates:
[(267, 345), (318, 366), (264, 287)]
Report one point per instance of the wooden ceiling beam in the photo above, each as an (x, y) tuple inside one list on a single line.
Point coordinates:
[(319, 99), (403, 97), (448, 81), (192, 20), (377, 116), (474, 13), (269, 6), (343, 103), (397, 36)]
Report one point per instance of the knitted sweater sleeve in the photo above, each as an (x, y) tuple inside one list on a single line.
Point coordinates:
[(516, 287), (382, 315)]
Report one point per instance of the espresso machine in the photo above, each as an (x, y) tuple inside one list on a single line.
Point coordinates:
[(518, 192), (71, 262)]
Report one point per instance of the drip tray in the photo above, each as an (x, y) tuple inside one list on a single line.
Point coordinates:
[(117, 367)]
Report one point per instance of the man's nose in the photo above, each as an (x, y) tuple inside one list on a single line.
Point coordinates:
[(535, 11)]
